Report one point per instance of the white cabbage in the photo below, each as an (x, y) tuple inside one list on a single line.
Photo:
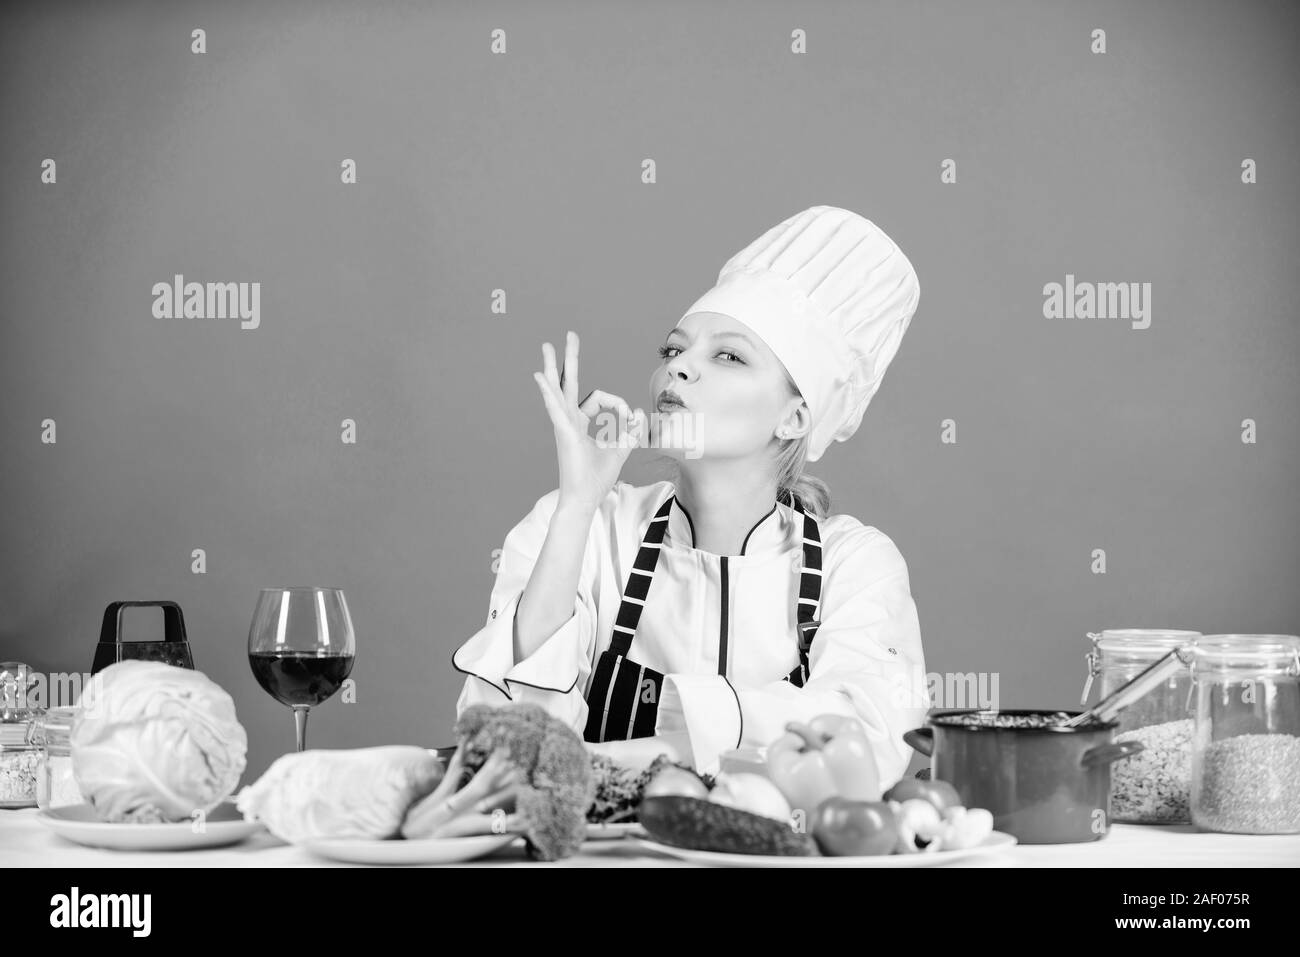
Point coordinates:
[(152, 742), (356, 793)]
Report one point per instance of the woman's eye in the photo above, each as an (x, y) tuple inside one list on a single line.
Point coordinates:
[(665, 350)]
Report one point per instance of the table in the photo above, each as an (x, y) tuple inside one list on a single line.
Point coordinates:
[(25, 842)]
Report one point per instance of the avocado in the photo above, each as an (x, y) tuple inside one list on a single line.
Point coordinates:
[(700, 825)]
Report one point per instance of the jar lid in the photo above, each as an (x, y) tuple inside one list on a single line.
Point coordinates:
[(16, 719), (59, 718), (54, 727), (1261, 652), (17, 737), (16, 683), (1155, 641)]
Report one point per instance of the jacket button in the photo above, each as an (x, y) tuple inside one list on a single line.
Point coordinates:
[(494, 614)]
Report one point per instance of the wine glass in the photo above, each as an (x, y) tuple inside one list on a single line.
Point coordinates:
[(301, 647)]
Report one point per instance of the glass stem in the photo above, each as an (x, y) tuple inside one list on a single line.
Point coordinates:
[(300, 724)]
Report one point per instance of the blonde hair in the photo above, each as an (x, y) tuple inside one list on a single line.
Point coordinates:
[(791, 479)]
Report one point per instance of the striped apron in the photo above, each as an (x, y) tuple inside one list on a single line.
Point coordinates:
[(623, 700)]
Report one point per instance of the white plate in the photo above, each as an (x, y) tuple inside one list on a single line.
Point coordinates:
[(223, 826), (995, 841), (614, 831), (434, 850)]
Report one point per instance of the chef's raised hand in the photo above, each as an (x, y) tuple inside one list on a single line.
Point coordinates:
[(588, 468)]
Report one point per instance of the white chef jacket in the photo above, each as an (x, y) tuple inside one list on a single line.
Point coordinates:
[(865, 660)]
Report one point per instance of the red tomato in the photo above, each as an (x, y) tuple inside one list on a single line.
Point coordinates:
[(939, 793), (844, 828)]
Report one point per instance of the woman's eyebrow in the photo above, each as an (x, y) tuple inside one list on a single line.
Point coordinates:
[(718, 335)]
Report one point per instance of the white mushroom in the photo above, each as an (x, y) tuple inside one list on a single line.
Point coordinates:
[(964, 827), (918, 825)]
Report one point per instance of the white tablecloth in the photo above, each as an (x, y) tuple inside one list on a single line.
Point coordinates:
[(25, 842)]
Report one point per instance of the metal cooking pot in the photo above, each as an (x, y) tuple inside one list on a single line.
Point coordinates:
[(1045, 785)]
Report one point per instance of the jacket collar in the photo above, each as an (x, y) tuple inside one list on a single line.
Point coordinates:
[(771, 533)]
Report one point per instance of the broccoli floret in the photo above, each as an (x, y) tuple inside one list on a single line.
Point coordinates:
[(663, 761), (620, 788), (557, 785)]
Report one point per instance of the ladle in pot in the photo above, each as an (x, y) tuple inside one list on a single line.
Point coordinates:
[(1126, 694)]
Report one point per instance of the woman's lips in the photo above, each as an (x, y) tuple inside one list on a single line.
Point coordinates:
[(670, 401)]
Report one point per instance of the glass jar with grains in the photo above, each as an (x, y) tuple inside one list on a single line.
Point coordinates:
[(18, 755), (55, 784), (1246, 745), (1154, 785)]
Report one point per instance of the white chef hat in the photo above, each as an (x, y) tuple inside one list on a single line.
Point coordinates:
[(831, 295)]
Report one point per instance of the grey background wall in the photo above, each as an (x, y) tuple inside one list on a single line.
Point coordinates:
[(522, 172)]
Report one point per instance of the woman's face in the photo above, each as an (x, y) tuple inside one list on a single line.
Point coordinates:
[(734, 388)]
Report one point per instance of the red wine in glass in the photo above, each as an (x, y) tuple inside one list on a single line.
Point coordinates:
[(299, 678), (301, 647)]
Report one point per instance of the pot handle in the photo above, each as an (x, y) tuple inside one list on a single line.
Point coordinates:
[(1106, 753), (922, 739)]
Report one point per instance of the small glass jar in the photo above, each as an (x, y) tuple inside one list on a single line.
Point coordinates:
[(18, 756), (1246, 749), (1154, 785), (55, 784), (18, 775)]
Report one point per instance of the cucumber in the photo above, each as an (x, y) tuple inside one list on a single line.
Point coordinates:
[(700, 825)]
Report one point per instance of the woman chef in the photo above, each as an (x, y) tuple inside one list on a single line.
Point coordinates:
[(697, 615)]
